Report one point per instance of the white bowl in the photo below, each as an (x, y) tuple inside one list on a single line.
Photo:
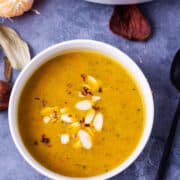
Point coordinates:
[(118, 1), (58, 49)]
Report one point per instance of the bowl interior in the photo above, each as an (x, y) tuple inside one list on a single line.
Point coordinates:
[(70, 46)]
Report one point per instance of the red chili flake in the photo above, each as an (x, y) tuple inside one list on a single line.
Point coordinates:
[(37, 98), (86, 91), (44, 103), (70, 115), (100, 90), (96, 108), (90, 93), (82, 120), (84, 77), (55, 115), (69, 92), (44, 139), (87, 125), (83, 93), (35, 143), (65, 102)]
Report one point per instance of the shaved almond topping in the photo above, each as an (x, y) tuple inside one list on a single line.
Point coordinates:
[(89, 117), (85, 139), (75, 124), (98, 122), (80, 130), (64, 138), (96, 98), (75, 127), (83, 105), (92, 81), (66, 118), (46, 119)]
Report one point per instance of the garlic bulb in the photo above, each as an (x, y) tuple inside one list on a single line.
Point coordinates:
[(11, 8)]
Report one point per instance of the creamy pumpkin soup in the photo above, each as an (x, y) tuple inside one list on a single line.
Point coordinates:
[(81, 114)]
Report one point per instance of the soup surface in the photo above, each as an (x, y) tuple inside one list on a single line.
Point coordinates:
[(81, 114)]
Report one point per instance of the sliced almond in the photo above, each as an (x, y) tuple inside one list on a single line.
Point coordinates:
[(75, 124), (46, 119), (63, 110), (85, 139), (66, 118), (98, 122), (96, 98), (83, 105), (92, 81), (75, 127), (89, 116), (64, 138)]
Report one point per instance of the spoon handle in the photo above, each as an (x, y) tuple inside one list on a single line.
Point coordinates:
[(167, 150)]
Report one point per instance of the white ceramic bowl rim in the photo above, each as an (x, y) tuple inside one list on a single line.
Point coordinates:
[(73, 45), (118, 1)]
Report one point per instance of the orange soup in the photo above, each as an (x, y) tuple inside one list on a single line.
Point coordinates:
[(81, 114)]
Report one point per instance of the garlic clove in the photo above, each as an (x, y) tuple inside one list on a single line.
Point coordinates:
[(66, 118), (64, 138), (98, 122), (85, 139), (83, 105), (96, 98), (46, 119), (89, 116)]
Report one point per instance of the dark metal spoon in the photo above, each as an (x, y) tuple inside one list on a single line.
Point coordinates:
[(175, 79)]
